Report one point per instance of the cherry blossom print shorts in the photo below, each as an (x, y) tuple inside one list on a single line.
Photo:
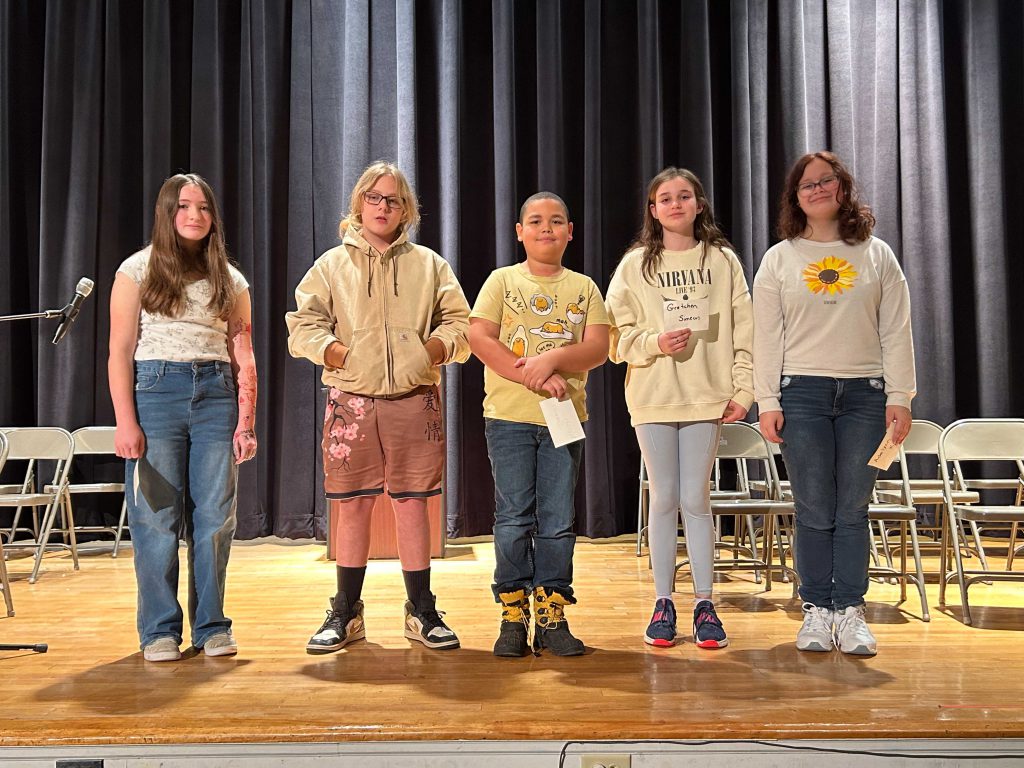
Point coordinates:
[(372, 445)]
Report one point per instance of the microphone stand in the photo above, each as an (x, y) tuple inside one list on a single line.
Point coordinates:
[(48, 314)]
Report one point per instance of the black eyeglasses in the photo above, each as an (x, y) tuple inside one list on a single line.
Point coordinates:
[(374, 198), (827, 183)]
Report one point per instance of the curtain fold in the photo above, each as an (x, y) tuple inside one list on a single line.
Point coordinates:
[(282, 103)]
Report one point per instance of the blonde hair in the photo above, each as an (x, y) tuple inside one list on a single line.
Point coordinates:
[(410, 205), (163, 288)]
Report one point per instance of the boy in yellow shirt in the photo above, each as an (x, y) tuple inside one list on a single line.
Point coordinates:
[(538, 328)]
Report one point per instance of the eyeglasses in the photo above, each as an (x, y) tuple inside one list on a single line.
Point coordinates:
[(827, 183), (374, 198)]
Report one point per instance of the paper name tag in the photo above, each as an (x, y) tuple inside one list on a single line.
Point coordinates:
[(563, 423), (887, 451), (687, 313)]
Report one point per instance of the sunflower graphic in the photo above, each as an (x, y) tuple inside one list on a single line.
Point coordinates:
[(831, 275)]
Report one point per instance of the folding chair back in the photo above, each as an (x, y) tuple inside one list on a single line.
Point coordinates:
[(37, 444), (980, 440), (96, 441)]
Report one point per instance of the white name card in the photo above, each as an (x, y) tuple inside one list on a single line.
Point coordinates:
[(887, 450), (563, 423), (687, 313)]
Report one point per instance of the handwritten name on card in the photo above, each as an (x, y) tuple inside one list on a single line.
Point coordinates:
[(687, 313), (886, 451)]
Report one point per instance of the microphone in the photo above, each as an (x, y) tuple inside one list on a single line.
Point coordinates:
[(69, 314)]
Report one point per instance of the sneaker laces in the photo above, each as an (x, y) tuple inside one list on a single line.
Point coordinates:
[(335, 621), (664, 613), (707, 615), (431, 619), (814, 618), (854, 620)]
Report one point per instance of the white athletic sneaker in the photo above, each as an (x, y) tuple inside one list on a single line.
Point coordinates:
[(221, 644), (816, 632), (852, 633), (162, 649)]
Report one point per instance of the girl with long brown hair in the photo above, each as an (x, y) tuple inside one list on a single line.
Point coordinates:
[(183, 384)]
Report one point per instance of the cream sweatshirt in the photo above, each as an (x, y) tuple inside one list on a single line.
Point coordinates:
[(715, 367), (835, 310)]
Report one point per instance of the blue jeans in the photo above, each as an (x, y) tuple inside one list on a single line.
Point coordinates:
[(831, 428), (188, 413), (534, 487)]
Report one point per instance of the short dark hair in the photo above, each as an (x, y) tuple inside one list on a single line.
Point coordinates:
[(542, 196)]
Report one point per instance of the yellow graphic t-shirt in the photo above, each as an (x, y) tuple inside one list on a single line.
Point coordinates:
[(535, 314)]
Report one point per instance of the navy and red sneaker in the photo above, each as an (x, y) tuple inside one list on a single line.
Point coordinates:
[(707, 627), (661, 632)]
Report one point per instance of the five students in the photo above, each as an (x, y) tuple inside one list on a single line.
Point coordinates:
[(381, 314)]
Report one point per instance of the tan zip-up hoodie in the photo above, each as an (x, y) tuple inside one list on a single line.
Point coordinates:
[(383, 307)]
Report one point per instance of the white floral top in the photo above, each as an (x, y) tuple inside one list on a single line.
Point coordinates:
[(194, 335)]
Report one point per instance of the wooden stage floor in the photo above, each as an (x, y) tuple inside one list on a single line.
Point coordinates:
[(935, 680)]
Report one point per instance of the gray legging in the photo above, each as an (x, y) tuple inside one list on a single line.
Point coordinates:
[(679, 457)]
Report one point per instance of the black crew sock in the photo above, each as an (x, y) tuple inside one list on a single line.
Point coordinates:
[(416, 583), (350, 581)]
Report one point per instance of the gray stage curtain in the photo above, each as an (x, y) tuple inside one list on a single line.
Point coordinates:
[(281, 104)]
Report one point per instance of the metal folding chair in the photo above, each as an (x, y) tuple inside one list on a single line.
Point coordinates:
[(5, 582), (743, 443), (34, 445), (923, 440), (901, 513), (94, 441), (979, 440)]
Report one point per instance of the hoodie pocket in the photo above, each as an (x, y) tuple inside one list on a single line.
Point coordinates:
[(410, 361), (364, 363)]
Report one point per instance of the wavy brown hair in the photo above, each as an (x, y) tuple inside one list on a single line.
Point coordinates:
[(855, 219), (170, 264), (651, 236), (410, 205)]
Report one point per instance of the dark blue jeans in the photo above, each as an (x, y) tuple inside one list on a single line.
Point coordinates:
[(831, 429), (534, 486)]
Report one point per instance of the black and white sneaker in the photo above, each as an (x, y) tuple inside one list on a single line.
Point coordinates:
[(423, 623), (344, 625)]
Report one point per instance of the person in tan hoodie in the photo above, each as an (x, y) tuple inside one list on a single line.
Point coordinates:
[(682, 383), (381, 315)]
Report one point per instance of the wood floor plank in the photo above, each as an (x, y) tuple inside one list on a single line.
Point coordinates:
[(941, 679)]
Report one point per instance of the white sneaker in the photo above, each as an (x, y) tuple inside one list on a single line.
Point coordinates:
[(162, 649), (852, 633), (221, 644), (816, 632)]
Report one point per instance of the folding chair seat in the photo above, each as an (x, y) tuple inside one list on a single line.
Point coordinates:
[(38, 444), (742, 443), (5, 582), (979, 440), (94, 441)]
